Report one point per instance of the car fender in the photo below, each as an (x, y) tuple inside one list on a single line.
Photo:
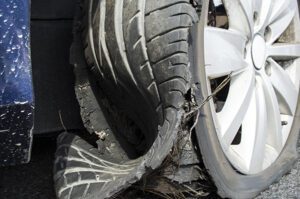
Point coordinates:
[(16, 90)]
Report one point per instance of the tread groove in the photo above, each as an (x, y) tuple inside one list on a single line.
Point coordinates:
[(102, 34), (91, 38), (134, 16), (86, 190), (167, 6), (184, 28), (120, 37), (173, 78), (168, 56)]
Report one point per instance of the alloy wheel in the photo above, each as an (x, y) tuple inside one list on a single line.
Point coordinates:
[(258, 46)]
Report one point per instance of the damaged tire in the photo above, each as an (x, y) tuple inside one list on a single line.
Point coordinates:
[(133, 62), (132, 75)]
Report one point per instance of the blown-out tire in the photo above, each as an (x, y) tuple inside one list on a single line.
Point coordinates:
[(132, 74)]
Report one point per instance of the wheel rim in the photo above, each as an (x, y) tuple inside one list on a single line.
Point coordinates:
[(261, 50)]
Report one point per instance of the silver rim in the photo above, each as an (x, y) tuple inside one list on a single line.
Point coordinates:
[(261, 50)]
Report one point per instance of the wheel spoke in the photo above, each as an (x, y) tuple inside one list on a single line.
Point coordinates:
[(284, 51), (282, 15), (285, 89), (281, 8), (240, 16), (258, 148), (274, 131), (224, 52), (244, 149), (257, 5), (293, 71), (263, 8), (248, 10), (236, 106)]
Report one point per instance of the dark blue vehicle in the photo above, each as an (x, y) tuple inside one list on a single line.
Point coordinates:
[(16, 99), (152, 98), (20, 106)]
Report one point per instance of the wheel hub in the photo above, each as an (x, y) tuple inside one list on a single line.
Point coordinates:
[(258, 51)]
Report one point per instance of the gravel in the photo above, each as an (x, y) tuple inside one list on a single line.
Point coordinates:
[(34, 180), (288, 187)]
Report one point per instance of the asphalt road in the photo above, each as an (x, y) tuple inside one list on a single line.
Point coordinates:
[(288, 187), (34, 180)]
